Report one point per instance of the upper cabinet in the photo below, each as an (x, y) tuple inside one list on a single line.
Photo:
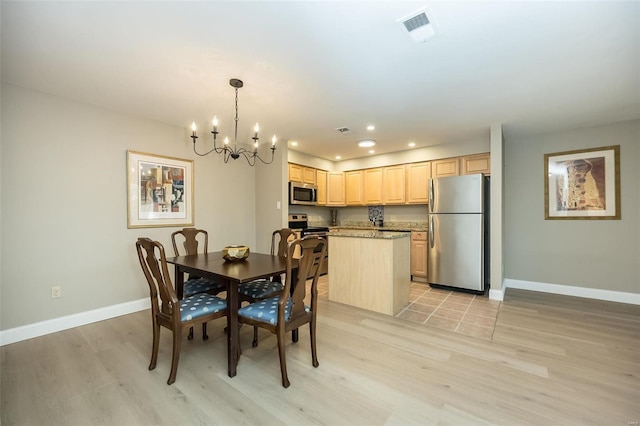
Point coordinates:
[(472, 164), (298, 173), (373, 186), (446, 167), (394, 184), (354, 187), (417, 176), (335, 189), (398, 184), (321, 181)]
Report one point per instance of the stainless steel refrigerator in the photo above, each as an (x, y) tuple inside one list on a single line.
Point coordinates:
[(458, 232)]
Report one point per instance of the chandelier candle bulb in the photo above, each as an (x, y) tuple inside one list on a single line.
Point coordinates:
[(215, 124), (273, 141), (256, 129), (193, 130), (226, 141)]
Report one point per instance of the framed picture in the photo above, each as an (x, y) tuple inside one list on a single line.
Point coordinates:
[(159, 191), (582, 184)]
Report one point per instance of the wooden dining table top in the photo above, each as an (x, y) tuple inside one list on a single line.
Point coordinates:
[(257, 265)]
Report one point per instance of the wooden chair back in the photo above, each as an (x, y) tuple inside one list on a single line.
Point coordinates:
[(282, 237), (312, 254), (154, 265), (192, 239)]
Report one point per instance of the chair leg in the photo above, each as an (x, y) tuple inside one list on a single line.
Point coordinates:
[(255, 337), (205, 337), (155, 345), (190, 336), (314, 353), (177, 341), (283, 361)]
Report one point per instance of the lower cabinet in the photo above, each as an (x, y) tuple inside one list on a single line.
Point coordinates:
[(419, 255)]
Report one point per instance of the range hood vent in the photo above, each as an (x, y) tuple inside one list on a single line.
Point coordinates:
[(419, 26)]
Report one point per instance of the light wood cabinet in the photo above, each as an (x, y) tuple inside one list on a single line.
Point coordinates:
[(295, 173), (394, 184), (418, 175), (309, 175), (298, 173), (373, 186), (419, 254), (335, 189), (353, 187), (472, 164), (321, 181), (446, 167)]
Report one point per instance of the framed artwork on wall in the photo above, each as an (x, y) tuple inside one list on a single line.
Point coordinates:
[(582, 184), (159, 191)]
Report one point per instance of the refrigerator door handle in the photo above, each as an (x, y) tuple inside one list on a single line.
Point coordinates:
[(431, 195), (430, 231)]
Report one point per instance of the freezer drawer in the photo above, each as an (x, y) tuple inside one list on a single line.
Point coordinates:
[(456, 250)]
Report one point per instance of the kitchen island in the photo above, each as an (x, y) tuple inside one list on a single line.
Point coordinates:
[(370, 269)]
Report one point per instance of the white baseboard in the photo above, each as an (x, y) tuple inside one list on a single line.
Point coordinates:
[(590, 293), (41, 328), (496, 295)]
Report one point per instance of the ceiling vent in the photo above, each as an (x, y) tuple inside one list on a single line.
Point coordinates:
[(419, 26), (343, 129)]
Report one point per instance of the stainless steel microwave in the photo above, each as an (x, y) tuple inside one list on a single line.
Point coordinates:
[(303, 193)]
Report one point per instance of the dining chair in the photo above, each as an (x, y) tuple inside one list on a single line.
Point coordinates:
[(261, 289), (192, 239), (166, 309), (287, 311)]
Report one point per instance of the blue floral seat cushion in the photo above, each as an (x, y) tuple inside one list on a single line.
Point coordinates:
[(200, 285), (266, 310), (260, 289), (200, 304)]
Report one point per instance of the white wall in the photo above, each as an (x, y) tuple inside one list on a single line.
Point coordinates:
[(593, 254), (65, 204), (271, 199)]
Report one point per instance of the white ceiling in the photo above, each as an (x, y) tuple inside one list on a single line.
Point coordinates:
[(310, 67)]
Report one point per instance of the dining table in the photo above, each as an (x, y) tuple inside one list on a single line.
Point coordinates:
[(230, 273)]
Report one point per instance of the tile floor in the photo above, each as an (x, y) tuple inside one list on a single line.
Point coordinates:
[(464, 313)]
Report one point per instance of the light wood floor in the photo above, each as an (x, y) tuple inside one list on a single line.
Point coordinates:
[(552, 360)]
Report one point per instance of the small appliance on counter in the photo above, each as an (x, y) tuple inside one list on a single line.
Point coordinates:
[(334, 217)]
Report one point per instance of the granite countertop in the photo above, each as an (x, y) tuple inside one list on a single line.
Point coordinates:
[(368, 233), (388, 226)]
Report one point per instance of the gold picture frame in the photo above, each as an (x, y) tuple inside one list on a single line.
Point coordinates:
[(582, 184), (159, 191)]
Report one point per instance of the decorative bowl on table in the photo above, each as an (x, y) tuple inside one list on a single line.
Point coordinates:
[(235, 253)]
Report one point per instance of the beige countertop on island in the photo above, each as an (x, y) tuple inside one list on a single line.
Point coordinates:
[(368, 233)]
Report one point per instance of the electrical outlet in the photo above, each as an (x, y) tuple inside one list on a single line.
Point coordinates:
[(56, 292)]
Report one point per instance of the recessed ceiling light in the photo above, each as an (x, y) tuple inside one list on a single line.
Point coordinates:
[(293, 143), (412, 144), (366, 143), (371, 127), (371, 151), (338, 157)]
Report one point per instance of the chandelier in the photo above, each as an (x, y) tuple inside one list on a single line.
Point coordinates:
[(235, 152)]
